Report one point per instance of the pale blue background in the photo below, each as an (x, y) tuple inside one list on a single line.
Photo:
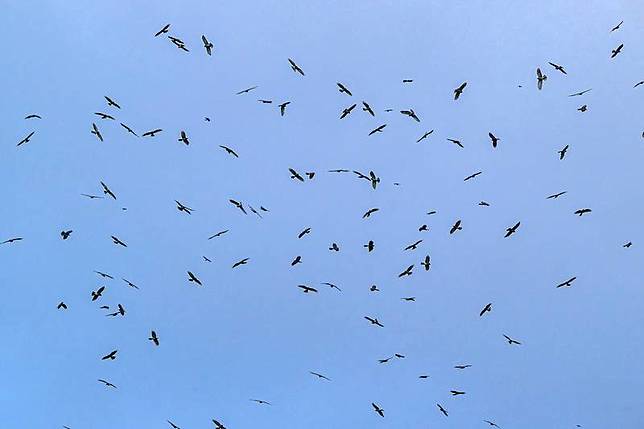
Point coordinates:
[(250, 333)]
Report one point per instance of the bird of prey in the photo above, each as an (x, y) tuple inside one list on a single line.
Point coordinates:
[(557, 195), (184, 138), (297, 260), (367, 108), (229, 151), (458, 91), (163, 30), (26, 139), (627, 245), (239, 205), (241, 262), (120, 310), (152, 133), (11, 240), (62, 305), (567, 283), (407, 80), (484, 203), (442, 410), (106, 383), (33, 116), (129, 130), (96, 132), (462, 366), (207, 45), (118, 242), (426, 263), (178, 43), (563, 151), (581, 212), (456, 142), (411, 114), (91, 197), (374, 180), (206, 259), (183, 208), (616, 51), (558, 67), (153, 337), (378, 129), (424, 136), (456, 227), (104, 275), (369, 212), (296, 175), (409, 299), (511, 230), (265, 101), (577, 94), (193, 278), (413, 246), (65, 234), (173, 425), (307, 289), (111, 102), (423, 376), (369, 246), (378, 410), (492, 424), (495, 140), (423, 227), (617, 26), (511, 341), (283, 107), (111, 355), (259, 401), (374, 321), (407, 271), (255, 211), (104, 115), (541, 78), (98, 293), (344, 89), (304, 232), (295, 67), (486, 309), (471, 176), (456, 392), (334, 247), (347, 110), (319, 376), (332, 286), (374, 288), (247, 90), (130, 284), (220, 233)]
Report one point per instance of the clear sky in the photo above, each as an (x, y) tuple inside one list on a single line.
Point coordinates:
[(250, 332)]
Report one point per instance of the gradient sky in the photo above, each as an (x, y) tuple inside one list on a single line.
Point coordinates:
[(250, 332)]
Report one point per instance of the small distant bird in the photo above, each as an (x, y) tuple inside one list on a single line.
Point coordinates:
[(378, 410), (259, 401), (407, 271), (229, 151), (193, 278), (458, 91), (104, 275), (367, 108), (347, 110), (183, 208), (343, 89), (238, 204), (104, 115), (283, 107), (413, 246), (247, 90), (296, 175), (118, 242), (319, 375), (641, 82), (409, 299), (120, 311), (61, 305), (583, 108), (627, 245), (106, 383), (91, 197), (304, 232), (111, 355), (411, 114), (206, 259), (111, 102), (471, 176), (241, 262), (218, 425), (423, 227), (495, 140), (173, 425), (426, 263), (424, 136), (297, 260), (616, 51), (130, 284), (369, 212), (555, 196), (184, 138), (219, 234), (456, 227), (484, 203), (152, 133), (12, 240), (617, 26), (456, 142), (486, 309), (129, 130), (295, 67), (334, 247), (332, 286), (374, 288), (163, 30), (511, 230), (423, 376), (581, 212), (511, 341), (65, 234), (577, 94), (98, 293), (153, 337), (567, 283), (374, 321), (541, 78), (563, 151), (456, 392), (369, 246), (96, 132), (265, 101), (33, 116), (407, 80), (558, 67), (307, 289), (442, 410), (491, 424), (378, 129), (463, 366), (207, 45)]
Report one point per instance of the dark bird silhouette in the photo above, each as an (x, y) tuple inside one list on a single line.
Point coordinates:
[(627, 245), (456, 227), (413, 246), (555, 196), (207, 45), (456, 142), (541, 78), (61, 305), (567, 283), (111, 102), (26, 139), (411, 114), (104, 115), (407, 271), (577, 94), (304, 232), (486, 309), (295, 67), (283, 107), (463, 366), (153, 337), (219, 234), (369, 246), (641, 82), (346, 111), (183, 138), (265, 101), (163, 30), (334, 247), (423, 227), (106, 383), (409, 299), (65, 234), (374, 180), (98, 293), (307, 289), (194, 279), (617, 26), (492, 424), (495, 140), (229, 151), (96, 132), (130, 284), (152, 133), (583, 108), (239, 205), (442, 410), (118, 242), (247, 90), (471, 176), (33, 116), (367, 108), (424, 136), (319, 376), (511, 230), (562, 152), (218, 425), (484, 203), (183, 208), (12, 240), (129, 130), (206, 259), (104, 275), (332, 286), (296, 175), (297, 260), (581, 212), (378, 410), (374, 288), (558, 67), (374, 321), (178, 43), (616, 51), (426, 263), (378, 129), (407, 80), (111, 355), (261, 402), (511, 341), (173, 425), (369, 212), (91, 197), (120, 311), (343, 89), (241, 262), (456, 392), (458, 91)]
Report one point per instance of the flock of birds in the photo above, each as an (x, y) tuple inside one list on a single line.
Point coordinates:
[(370, 177)]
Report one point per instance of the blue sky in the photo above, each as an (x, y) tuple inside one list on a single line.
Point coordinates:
[(250, 332)]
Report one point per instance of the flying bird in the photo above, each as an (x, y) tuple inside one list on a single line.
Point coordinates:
[(541, 78), (562, 152), (471, 176), (307, 289), (426, 263), (98, 293), (346, 111), (111, 102), (295, 67), (106, 383), (555, 196), (247, 90), (130, 284), (26, 139), (492, 424), (369, 246), (458, 91), (463, 366), (118, 242), (558, 67), (411, 114), (413, 246), (65, 234), (495, 140), (229, 151), (511, 230), (577, 94), (424, 136), (219, 234), (442, 410), (283, 107), (104, 275), (456, 227), (163, 30), (183, 138), (378, 129), (617, 26), (173, 425), (378, 410), (207, 45), (304, 232), (374, 321), (367, 108), (407, 271), (152, 133), (239, 205), (369, 212), (567, 283), (96, 132), (486, 309), (12, 240), (111, 355), (456, 142), (153, 337), (259, 401), (194, 279), (61, 305), (33, 116), (343, 89), (616, 51), (241, 262), (320, 376), (129, 130), (581, 212), (583, 108), (104, 115), (456, 392), (511, 341)]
